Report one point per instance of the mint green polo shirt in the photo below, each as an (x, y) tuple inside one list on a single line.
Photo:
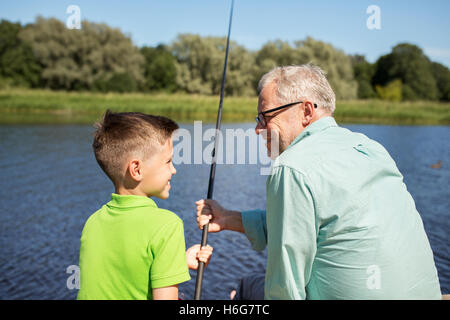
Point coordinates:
[(340, 223), (129, 247)]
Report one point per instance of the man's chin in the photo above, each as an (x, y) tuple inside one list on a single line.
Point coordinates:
[(270, 154)]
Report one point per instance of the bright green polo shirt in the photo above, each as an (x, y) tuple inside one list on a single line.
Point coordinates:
[(340, 223), (129, 247)]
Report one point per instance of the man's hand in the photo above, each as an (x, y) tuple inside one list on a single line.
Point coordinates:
[(219, 218), (195, 254)]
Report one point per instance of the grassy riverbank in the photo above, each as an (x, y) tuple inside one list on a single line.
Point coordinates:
[(19, 106)]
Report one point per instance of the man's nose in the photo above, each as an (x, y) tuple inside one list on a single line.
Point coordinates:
[(258, 128)]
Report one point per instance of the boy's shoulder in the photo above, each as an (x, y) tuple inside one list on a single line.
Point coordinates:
[(165, 215), (144, 215), (94, 216)]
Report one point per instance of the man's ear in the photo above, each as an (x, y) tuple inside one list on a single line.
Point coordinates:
[(134, 168), (308, 113)]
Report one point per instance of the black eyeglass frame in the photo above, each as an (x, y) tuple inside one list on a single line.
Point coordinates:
[(258, 119)]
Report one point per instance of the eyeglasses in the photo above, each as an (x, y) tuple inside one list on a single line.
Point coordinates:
[(260, 119)]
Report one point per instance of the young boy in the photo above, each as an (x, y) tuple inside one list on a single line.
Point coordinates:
[(131, 249)]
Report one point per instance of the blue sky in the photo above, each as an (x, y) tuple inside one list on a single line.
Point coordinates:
[(341, 23)]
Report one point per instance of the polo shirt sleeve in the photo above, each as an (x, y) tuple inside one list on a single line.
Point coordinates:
[(292, 234), (169, 266), (254, 222)]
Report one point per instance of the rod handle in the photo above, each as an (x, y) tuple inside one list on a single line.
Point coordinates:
[(201, 265)]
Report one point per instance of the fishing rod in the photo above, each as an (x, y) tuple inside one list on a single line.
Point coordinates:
[(212, 173)]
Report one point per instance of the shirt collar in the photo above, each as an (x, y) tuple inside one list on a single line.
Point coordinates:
[(130, 201), (316, 126)]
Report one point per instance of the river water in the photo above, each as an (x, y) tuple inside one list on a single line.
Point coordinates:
[(51, 183)]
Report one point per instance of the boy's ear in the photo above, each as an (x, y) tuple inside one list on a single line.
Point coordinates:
[(135, 169)]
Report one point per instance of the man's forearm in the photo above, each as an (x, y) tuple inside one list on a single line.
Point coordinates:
[(234, 221), (254, 226)]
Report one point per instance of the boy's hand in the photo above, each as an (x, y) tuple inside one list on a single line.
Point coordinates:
[(194, 254)]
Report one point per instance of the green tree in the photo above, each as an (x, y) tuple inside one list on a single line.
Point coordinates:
[(118, 82), (334, 62), (391, 91), (17, 62), (363, 72), (442, 76), (200, 65), (408, 63), (272, 54), (80, 59), (159, 69)]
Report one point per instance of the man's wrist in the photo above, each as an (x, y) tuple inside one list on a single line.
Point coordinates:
[(234, 221)]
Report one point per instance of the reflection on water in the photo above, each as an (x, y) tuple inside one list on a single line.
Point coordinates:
[(51, 183)]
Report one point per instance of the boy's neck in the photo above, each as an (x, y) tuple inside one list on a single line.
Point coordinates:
[(129, 192)]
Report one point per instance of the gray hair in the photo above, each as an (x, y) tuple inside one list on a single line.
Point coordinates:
[(304, 81)]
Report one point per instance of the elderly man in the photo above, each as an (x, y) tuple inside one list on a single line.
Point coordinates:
[(339, 221)]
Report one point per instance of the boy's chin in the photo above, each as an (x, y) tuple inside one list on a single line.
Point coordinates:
[(163, 195)]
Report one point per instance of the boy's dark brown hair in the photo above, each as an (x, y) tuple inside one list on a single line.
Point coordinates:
[(120, 135)]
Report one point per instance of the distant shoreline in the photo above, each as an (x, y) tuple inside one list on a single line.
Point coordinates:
[(29, 106)]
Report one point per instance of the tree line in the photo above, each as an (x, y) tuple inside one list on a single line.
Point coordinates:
[(46, 54)]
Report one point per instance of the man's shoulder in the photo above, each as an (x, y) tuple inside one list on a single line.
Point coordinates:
[(322, 145), (322, 149)]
